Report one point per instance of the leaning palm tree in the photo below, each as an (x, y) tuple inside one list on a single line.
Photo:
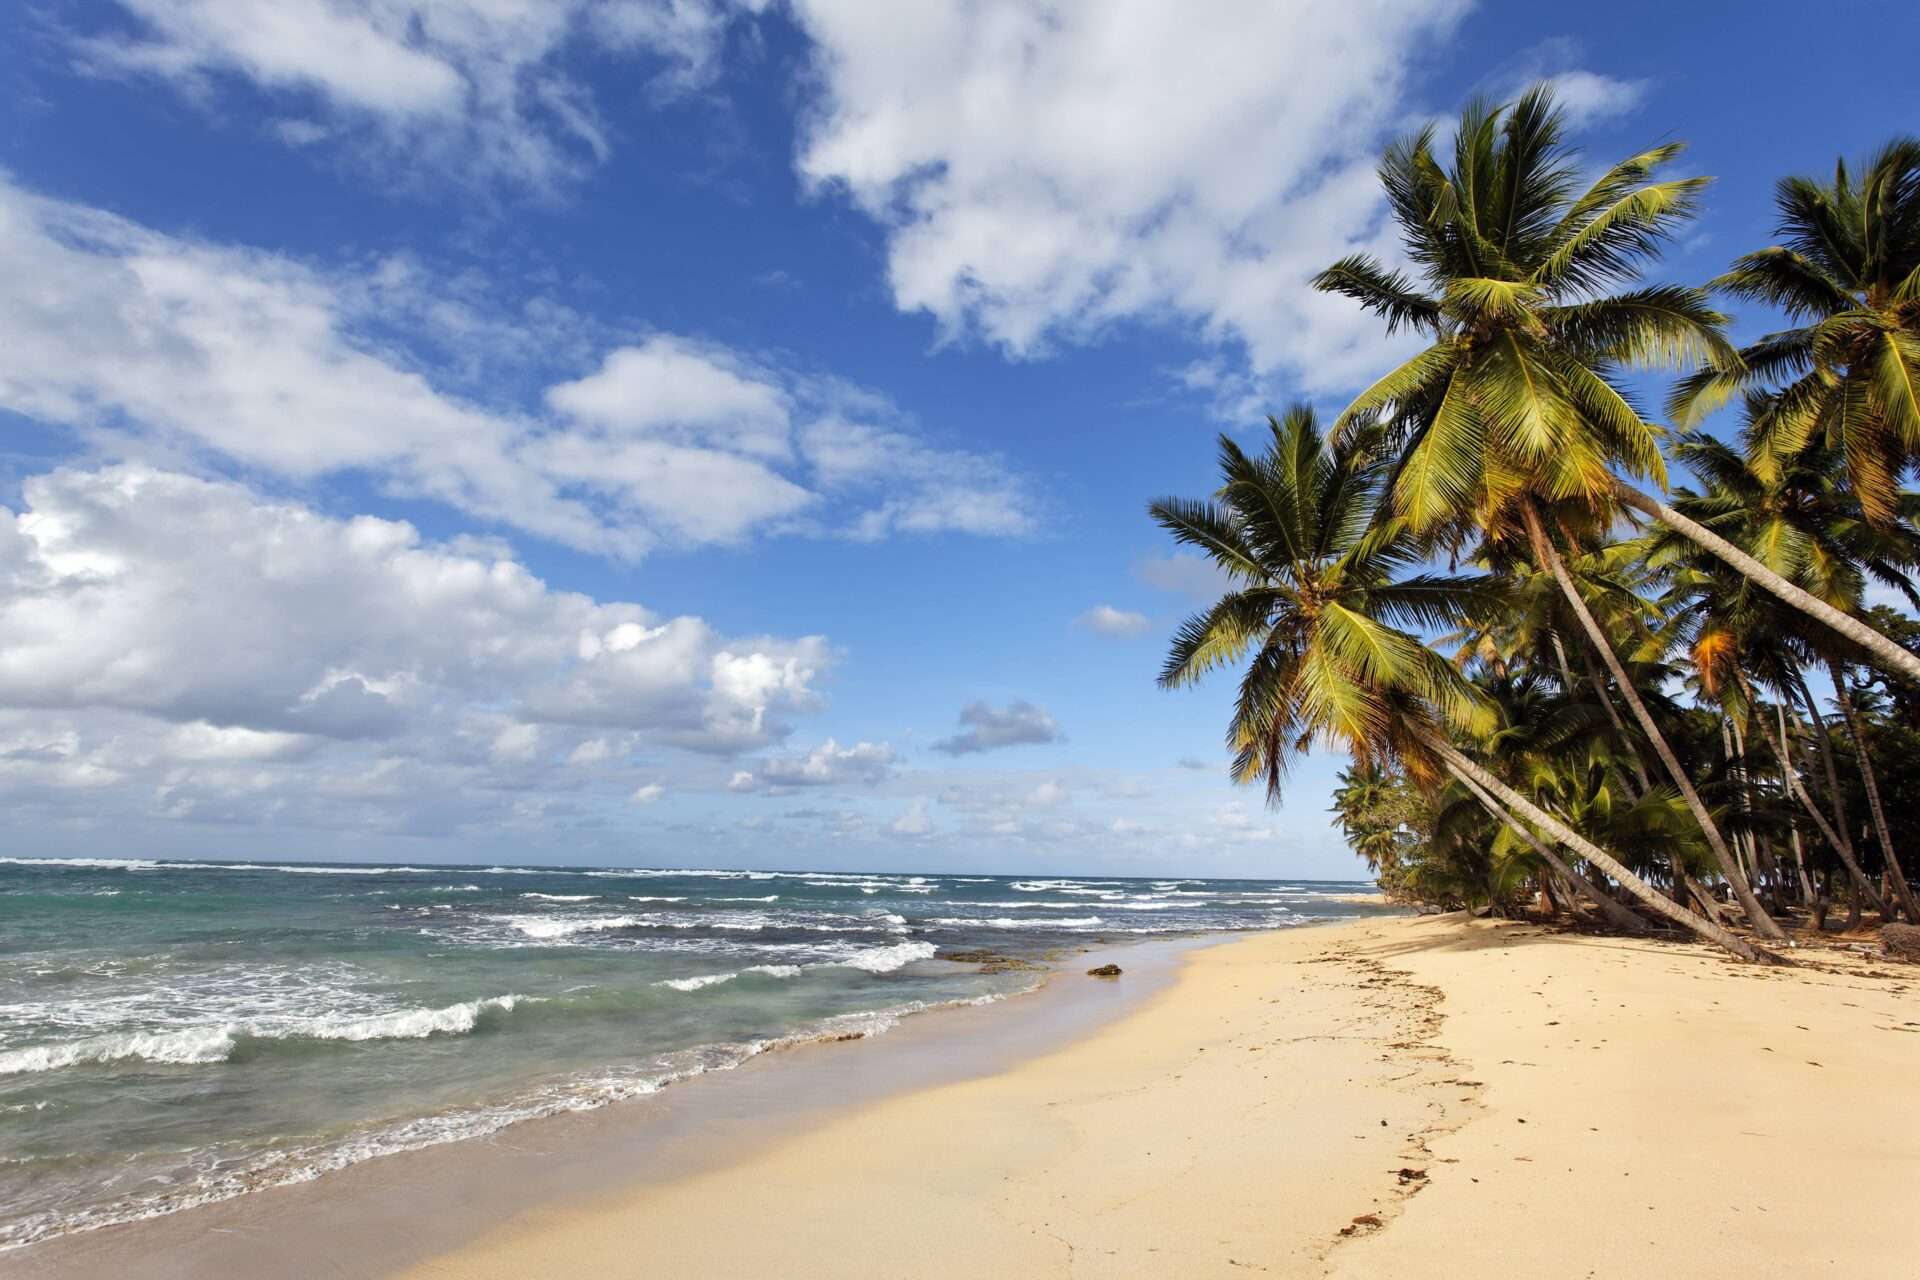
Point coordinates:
[(1798, 514), (1529, 292), (1849, 372), (1847, 376), (1514, 408), (1315, 612)]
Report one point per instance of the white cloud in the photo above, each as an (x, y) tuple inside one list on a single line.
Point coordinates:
[(1020, 723), (827, 765), (1048, 795), (685, 392), (163, 348), (915, 821), (1044, 170), (940, 489), (188, 641), (1590, 98), (1109, 621), (1587, 97), (470, 87), (647, 794)]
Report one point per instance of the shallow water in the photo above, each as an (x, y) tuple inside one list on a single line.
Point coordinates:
[(178, 1032)]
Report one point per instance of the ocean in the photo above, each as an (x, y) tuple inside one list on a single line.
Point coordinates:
[(178, 1032)]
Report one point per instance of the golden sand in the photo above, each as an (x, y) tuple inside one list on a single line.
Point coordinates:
[(1405, 1097)]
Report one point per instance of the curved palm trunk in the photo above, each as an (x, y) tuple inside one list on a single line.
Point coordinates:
[(1893, 657), (1616, 914), (1763, 923), (1845, 697), (1461, 766)]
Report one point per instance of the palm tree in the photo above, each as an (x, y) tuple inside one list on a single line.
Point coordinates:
[(1798, 515), (1515, 404), (1516, 397), (1849, 274), (1317, 591), (1848, 375), (1312, 615)]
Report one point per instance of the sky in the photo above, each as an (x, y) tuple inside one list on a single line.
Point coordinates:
[(718, 432)]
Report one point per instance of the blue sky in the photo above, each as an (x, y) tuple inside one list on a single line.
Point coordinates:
[(717, 432)]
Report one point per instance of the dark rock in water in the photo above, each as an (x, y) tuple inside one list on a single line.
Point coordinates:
[(1901, 941), (1105, 971), (991, 961)]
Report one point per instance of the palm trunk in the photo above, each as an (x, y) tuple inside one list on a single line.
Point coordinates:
[(1851, 715), (1619, 725), (1837, 838), (1840, 834), (1462, 767), (1742, 847), (1763, 923), (1807, 894), (1893, 657), (1800, 866), (1616, 914)]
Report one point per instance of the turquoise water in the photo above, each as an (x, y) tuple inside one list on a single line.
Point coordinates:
[(177, 1032)]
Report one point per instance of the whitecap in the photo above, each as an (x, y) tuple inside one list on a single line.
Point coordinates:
[(885, 959), (545, 927), (694, 984), (1008, 922), (193, 1046)]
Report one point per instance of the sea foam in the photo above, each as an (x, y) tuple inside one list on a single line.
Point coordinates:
[(194, 1046)]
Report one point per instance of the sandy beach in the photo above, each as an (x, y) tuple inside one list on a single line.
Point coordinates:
[(1429, 1096), (1422, 1097)]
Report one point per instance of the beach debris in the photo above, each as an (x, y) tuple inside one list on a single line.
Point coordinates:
[(1412, 1175), (1104, 971), (1900, 942), (1364, 1220)]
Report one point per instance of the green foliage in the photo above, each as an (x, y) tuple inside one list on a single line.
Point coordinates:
[(1527, 291), (1498, 444), (1848, 375), (1321, 592)]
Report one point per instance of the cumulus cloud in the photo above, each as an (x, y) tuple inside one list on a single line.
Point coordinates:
[(192, 641), (1020, 723), (150, 345), (1044, 170), (1106, 620), (828, 764), (476, 87)]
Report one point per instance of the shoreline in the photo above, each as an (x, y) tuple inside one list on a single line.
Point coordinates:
[(1424, 1096), (450, 1193)]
